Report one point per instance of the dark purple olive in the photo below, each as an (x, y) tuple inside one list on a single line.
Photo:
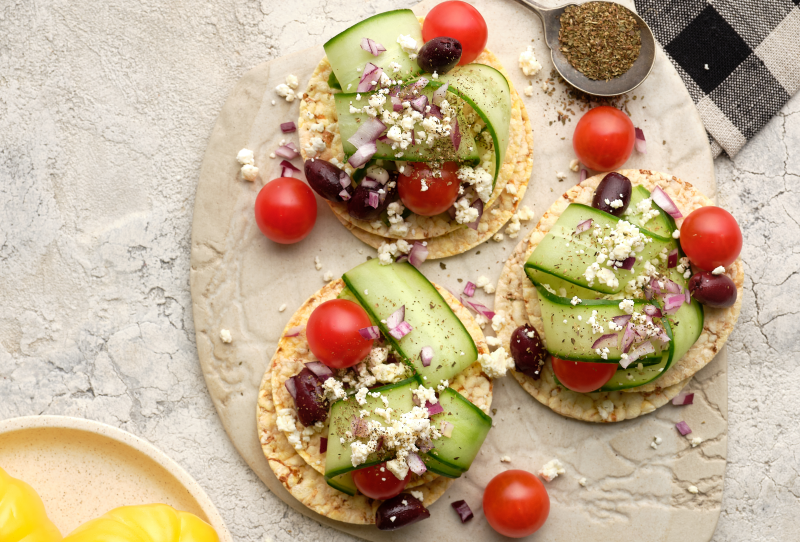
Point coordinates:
[(613, 187), (358, 206), (527, 351), (326, 179), (711, 290), (312, 407), (400, 511), (439, 55)]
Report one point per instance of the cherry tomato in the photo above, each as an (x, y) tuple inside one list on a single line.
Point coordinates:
[(604, 138), (461, 21), (286, 210), (582, 376), (711, 237), (440, 192), (332, 333), (379, 484), (516, 503)]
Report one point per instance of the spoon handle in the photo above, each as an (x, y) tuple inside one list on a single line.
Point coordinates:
[(550, 20)]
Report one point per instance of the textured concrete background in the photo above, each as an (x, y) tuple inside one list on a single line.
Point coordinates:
[(105, 110)]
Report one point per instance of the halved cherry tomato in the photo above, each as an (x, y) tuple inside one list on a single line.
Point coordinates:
[(582, 376), (425, 194), (378, 483), (286, 210), (516, 503), (332, 333), (604, 138), (459, 20), (711, 237)]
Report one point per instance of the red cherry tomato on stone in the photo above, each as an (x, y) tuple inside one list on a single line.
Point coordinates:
[(604, 138), (461, 21), (286, 210), (379, 484), (711, 237), (332, 333), (440, 192), (516, 503), (581, 376)]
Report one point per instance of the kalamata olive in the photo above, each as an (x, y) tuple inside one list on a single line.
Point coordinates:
[(400, 511), (612, 189), (358, 206), (326, 179), (527, 351), (713, 290), (439, 55), (312, 407)]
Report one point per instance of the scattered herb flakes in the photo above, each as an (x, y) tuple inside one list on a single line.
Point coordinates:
[(600, 39), (442, 265)]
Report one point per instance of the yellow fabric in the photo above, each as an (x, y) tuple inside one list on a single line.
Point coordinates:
[(22, 514), (147, 523)]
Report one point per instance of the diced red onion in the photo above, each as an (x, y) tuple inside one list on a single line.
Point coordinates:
[(683, 399), (447, 429), (363, 154), (622, 319), (655, 286), (417, 254), (435, 112), (665, 202), (684, 428), (583, 226), (384, 139), (401, 259), (374, 199), (294, 331), (477, 204), (401, 331), (287, 164), (641, 350), (291, 387), (425, 445), (452, 212), (418, 85), (344, 179), (396, 317), (368, 132), (370, 183), (641, 144), (455, 134), (345, 195), (477, 307), (628, 338), (426, 355), (672, 258), (463, 510), (608, 340), (397, 104), (359, 427), (688, 295), (469, 289), (584, 175), (323, 444), (673, 302), (439, 94), (416, 464), (288, 127), (673, 287), (287, 172), (648, 293), (418, 104), (662, 335), (652, 310), (287, 151), (322, 371), (626, 264), (380, 175), (372, 46), (434, 408), (370, 333), (371, 74)]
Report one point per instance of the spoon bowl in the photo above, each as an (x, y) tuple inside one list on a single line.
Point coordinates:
[(635, 76)]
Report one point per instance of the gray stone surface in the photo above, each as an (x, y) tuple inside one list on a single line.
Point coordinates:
[(105, 110)]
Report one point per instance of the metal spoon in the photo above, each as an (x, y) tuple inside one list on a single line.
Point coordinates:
[(551, 20)]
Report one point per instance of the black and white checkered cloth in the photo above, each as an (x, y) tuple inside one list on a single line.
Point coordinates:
[(740, 59)]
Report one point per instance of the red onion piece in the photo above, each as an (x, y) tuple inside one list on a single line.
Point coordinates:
[(287, 172), (621, 320), (584, 175), (370, 333), (684, 428), (424, 445), (452, 212), (447, 429), (320, 369), (372, 46), (402, 259), (455, 134), (294, 331), (286, 151), (370, 183), (477, 307), (358, 426), (665, 202), (345, 195), (434, 408), (628, 338), (439, 94), (463, 510), (652, 310), (368, 132), (641, 144), (435, 112), (291, 387), (418, 254), (478, 204), (371, 74), (655, 286), (344, 179), (415, 464), (418, 104), (374, 199), (583, 226), (608, 340), (397, 104), (673, 287), (288, 127), (641, 350), (626, 264), (323, 444), (673, 302), (688, 295), (289, 165), (401, 331), (363, 154), (672, 258), (426, 355), (469, 289), (683, 399), (396, 317)]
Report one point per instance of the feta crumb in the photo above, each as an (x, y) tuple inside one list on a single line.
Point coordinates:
[(407, 43), (696, 441), (328, 276), (575, 165), (525, 213), (249, 173), (653, 445), (606, 408), (245, 157), (417, 495), (582, 482), (292, 81), (317, 263), (676, 234), (225, 336), (551, 470), (718, 270), (498, 237), (575, 300), (626, 305), (528, 91), (498, 320), (315, 145), (334, 390), (496, 364), (285, 92), (657, 440), (693, 489), (528, 63), (484, 282), (560, 175), (505, 459), (282, 308), (493, 341)]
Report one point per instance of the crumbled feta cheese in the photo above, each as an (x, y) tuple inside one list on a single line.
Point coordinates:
[(480, 179), (493, 341), (718, 270), (484, 282), (575, 300), (676, 234), (528, 91), (496, 364), (626, 305), (574, 165), (658, 440), (525, 213), (696, 441), (317, 263), (551, 470), (513, 228), (582, 482), (361, 396), (417, 495), (528, 63), (560, 175), (505, 459), (465, 214), (285, 420), (317, 127), (606, 409), (285, 92), (249, 173), (481, 320), (616, 204), (282, 308), (359, 453), (225, 336), (315, 145), (292, 81), (498, 237), (498, 320), (424, 394), (333, 389), (245, 157), (328, 276), (407, 43), (693, 489)]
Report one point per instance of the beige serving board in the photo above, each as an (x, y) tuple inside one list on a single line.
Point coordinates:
[(82, 469), (239, 279)]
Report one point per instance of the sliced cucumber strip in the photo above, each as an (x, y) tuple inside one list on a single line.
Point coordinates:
[(437, 467), (344, 483), (660, 226), (470, 427), (560, 286)]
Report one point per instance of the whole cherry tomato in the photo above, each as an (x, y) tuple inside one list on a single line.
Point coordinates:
[(582, 376), (378, 483), (332, 333), (711, 237), (516, 503), (426, 194), (459, 20), (604, 138), (286, 210)]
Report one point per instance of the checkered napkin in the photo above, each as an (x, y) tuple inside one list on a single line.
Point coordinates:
[(740, 59)]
